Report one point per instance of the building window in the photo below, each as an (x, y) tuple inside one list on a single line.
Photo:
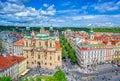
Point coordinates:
[(38, 56), (27, 62), (39, 43), (50, 45), (50, 64), (50, 58), (26, 43), (45, 63), (58, 58), (46, 44), (32, 62), (45, 58)]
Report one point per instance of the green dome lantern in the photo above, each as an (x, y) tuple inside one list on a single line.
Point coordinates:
[(51, 30), (91, 31)]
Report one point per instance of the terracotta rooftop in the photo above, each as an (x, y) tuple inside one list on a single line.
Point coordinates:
[(19, 43), (19, 59), (98, 37), (4, 62), (57, 45), (9, 61), (15, 58), (84, 49), (113, 42), (105, 41)]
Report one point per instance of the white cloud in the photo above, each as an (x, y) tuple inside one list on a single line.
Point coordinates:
[(49, 11), (106, 6), (81, 17), (118, 3), (18, 13), (69, 11), (45, 5)]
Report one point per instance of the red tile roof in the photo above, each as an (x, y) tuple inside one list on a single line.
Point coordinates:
[(105, 41), (57, 44), (113, 42), (98, 37), (19, 43), (4, 62), (84, 49), (9, 61), (15, 58), (10, 58), (19, 59)]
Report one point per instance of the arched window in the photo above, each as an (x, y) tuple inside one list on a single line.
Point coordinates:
[(45, 63)]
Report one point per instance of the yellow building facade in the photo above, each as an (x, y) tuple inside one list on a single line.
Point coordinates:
[(42, 50)]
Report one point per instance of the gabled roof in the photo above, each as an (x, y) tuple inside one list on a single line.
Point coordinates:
[(9, 60), (19, 43), (4, 62), (15, 58), (19, 59)]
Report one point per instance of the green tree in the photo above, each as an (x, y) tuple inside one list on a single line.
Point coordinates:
[(38, 78), (60, 76), (5, 78), (0, 43), (64, 54)]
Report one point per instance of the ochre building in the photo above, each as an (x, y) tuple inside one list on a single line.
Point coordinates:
[(42, 49)]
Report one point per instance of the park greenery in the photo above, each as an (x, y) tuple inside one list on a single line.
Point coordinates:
[(5, 78), (67, 50), (58, 76)]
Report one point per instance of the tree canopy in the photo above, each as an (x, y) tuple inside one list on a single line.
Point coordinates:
[(5, 78)]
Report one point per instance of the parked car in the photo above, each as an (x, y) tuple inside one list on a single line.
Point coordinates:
[(118, 65)]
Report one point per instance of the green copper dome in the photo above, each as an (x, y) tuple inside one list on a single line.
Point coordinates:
[(42, 35)]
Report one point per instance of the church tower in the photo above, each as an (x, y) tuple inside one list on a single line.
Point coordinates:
[(91, 33), (51, 29), (27, 31)]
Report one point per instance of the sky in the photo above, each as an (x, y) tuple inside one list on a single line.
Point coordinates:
[(61, 13)]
